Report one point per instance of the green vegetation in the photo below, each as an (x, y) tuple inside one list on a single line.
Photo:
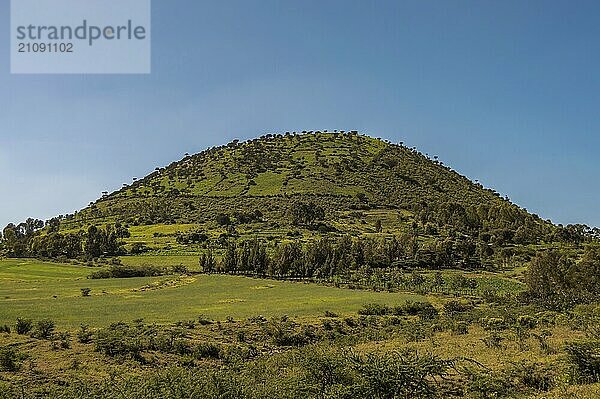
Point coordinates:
[(323, 265), (412, 350), (36, 290)]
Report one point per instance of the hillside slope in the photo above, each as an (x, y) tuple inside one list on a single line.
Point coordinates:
[(339, 171)]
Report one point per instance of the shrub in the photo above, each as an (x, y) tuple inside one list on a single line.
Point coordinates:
[(527, 321), (10, 359), (532, 375), (44, 329), (182, 347), (180, 269), (350, 322), (5, 329), (23, 326), (84, 335), (284, 334), (61, 341), (86, 291), (460, 328), (489, 385), (584, 357), (260, 319), (494, 323), (127, 271), (457, 307), (207, 350), (415, 332), (546, 319), (188, 324), (493, 340), (120, 340), (398, 375), (138, 248), (424, 310), (543, 340), (374, 309)]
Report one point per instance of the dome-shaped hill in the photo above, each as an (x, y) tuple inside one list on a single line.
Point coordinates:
[(339, 171)]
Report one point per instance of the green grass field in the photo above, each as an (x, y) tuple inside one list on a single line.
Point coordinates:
[(34, 289)]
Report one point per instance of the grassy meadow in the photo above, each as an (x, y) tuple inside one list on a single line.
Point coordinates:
[(34, 289)]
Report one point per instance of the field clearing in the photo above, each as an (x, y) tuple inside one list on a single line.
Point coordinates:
[(34, 289), (190, 261)]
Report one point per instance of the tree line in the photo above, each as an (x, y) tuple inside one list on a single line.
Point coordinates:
[(327, 257), (36, 239)]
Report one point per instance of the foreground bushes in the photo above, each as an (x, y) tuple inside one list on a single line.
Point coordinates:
[(584, 357), (313, 372), (522, 377), (425, 310)]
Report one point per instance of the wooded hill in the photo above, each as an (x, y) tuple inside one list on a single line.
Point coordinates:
[(344, 173)]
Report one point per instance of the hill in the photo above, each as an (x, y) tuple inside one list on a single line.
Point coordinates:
[(341, 172)]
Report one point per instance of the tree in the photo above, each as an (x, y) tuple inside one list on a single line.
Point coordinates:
[(208, 263), (306, 213), (585, 276), (230, 260), (547, 278)]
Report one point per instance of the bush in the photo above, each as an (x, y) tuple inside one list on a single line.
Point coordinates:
[(457, 307), (182, 347), (543, 340), (207, 350), (532, 375), (374, 309), (494, 323), (188, 324), (527, 321), (44, 329), (84, 335), (584, 357), (10, 359), (415, 332), (138, 248), (120, 340), (493, 341), (204, 321), (489, 385), (284, 334), (398, 375), (460, 328), (127, 271), (23, 326), (180, 269), (61, 341), (424, 310), (5, 329), (86, 291), (223, 219)]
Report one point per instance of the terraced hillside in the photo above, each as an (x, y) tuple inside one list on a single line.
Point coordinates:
[(341, 172)]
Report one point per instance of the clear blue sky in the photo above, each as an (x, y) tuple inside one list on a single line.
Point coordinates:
[(506, 92)]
